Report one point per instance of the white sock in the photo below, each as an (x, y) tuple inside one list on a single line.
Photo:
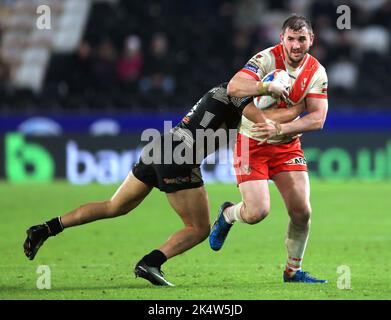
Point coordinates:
[(232, 214), (295, 242)]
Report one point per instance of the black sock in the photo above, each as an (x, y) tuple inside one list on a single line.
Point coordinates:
[(55, 226), (155, 259)]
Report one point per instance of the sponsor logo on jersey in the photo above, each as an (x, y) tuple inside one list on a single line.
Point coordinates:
[(186, 120), (251, 67), (297, 161)]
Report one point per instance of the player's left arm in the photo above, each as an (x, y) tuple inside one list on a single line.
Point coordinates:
[(316, 106), (314, 120), (280, 115)]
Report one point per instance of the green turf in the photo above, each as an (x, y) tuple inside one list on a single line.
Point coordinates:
[(350, 226)]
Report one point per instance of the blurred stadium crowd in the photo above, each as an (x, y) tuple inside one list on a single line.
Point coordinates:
[(163, 54)]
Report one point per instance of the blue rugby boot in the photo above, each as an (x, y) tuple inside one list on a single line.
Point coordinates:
[(301, 276), (220, 228)]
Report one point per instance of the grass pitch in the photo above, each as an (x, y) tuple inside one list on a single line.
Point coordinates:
[(351, 226)]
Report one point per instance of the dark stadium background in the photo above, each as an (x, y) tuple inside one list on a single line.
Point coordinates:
[(112, 68), (75, 99)]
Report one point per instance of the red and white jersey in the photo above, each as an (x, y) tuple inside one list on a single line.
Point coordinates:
[(309, 80)]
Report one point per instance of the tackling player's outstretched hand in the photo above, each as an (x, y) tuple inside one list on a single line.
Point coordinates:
[(266, 130)]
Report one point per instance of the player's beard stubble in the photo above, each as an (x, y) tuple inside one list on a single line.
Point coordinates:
[(295, 56)]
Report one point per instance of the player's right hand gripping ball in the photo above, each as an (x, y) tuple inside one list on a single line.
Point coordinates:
[(267, 101)]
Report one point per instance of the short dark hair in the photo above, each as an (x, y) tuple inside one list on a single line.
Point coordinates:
[(297, 23)]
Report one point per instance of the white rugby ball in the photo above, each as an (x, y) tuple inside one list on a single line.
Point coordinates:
[(266, 101)]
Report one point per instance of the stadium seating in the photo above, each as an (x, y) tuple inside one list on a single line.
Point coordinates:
[(182, 50)]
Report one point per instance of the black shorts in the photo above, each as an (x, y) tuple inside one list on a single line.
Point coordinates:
[(169, 177)]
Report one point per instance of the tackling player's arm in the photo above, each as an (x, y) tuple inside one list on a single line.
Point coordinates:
[(280, 115), (314, 120)]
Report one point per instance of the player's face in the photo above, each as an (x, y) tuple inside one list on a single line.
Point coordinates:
[(296, 44)]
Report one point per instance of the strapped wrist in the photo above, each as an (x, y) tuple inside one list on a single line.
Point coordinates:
[(262, 87), (276, 125), (278, 128)]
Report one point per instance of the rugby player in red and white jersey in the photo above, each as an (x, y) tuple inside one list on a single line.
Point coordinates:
[(274, 149)]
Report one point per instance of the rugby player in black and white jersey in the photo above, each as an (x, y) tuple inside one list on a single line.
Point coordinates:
[(182, 183)]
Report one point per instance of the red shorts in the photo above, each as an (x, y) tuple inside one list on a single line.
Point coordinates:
[(263, 161)]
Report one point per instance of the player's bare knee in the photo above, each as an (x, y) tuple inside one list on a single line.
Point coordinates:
[(255, 215), (301, 217), (203, 232)]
